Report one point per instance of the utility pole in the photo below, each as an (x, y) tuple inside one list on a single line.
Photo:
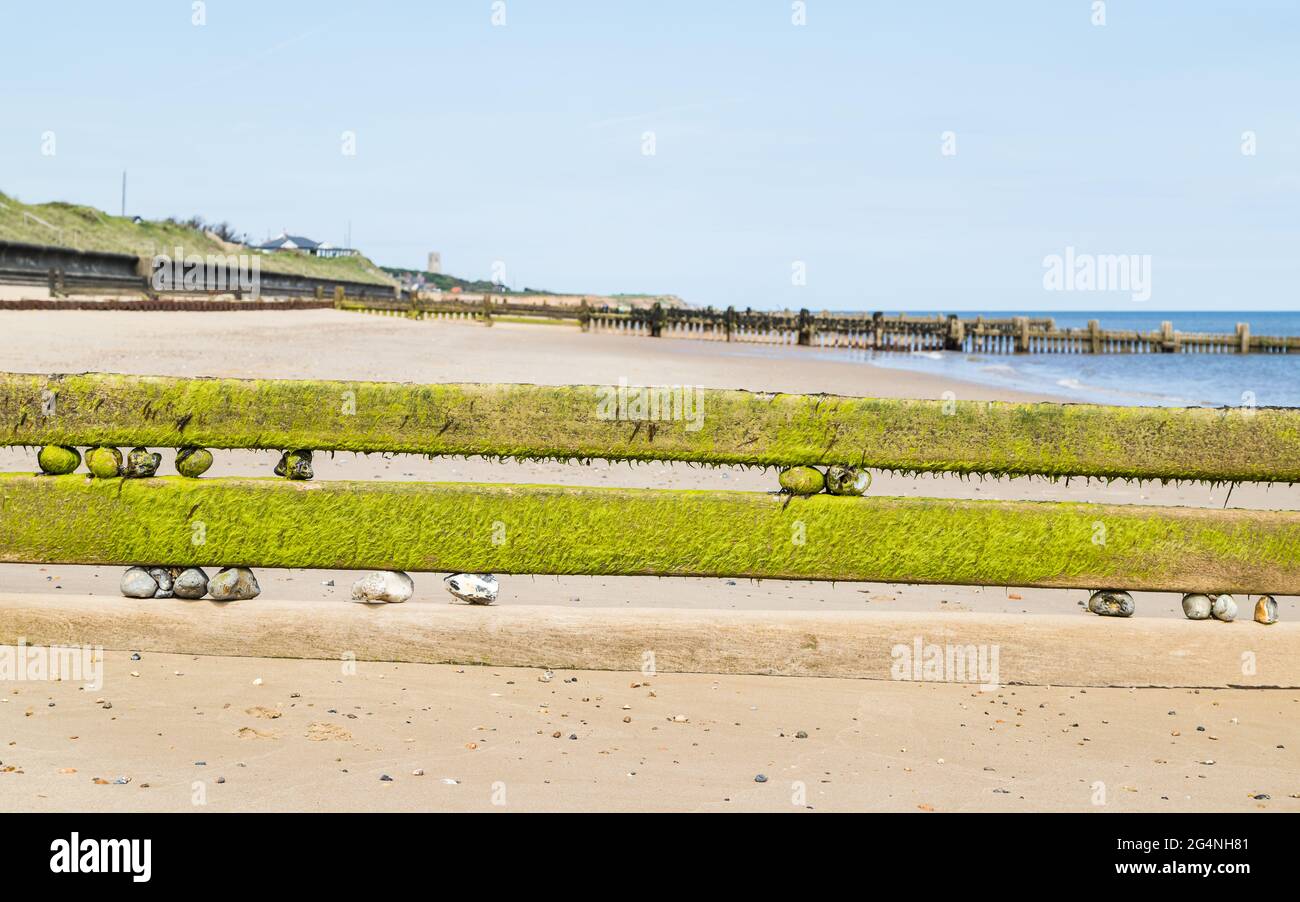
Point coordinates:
[(124, 192)]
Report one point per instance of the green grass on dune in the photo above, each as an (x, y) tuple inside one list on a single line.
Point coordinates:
[(88, 229)]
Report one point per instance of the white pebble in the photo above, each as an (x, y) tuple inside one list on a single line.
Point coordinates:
[(383, 587), (475, 588)]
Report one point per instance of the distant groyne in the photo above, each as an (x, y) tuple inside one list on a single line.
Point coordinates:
[(868, 331)]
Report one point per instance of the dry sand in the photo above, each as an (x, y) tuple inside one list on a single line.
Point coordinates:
[(313, 737), (870, 745)]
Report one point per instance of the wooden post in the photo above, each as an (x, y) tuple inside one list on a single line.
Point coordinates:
[(338, 295), (1168, 338), (956, 338), (1243, 338), (730, 322), (805, 327), (487, 310), (1022, 334), (584, 316), (656, 320), (1094, 336)]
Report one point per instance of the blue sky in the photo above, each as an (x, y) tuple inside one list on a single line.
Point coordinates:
[(773, 143)]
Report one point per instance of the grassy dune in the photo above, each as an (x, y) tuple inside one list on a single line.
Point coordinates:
[(89, 229)]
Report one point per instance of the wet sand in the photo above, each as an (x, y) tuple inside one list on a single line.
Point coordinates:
[(871, 745)]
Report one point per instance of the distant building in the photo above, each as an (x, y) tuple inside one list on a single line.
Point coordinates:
[(286, 242), (435, 263)]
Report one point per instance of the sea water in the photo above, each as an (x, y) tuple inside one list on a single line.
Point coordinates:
[(1181, 380)]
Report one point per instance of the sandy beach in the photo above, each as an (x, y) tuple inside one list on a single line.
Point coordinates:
[(320, 735)]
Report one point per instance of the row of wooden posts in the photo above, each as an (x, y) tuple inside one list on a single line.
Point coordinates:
[(876, 331)]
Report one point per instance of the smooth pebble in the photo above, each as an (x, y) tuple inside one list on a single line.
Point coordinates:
[(137, 583), (234, 584), (1197, 606), (1266, 610), (58, 460), (1224, 608), (190, 583), (383, 586)]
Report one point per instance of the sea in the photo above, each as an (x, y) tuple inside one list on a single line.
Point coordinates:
[(1172, 380)]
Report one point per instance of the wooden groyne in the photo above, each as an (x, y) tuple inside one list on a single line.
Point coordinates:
[(123, 518), (938, 332), (691, 425), (868, 331)]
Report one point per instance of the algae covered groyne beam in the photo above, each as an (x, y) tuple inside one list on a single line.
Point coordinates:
[(562, 530), (704, 426)]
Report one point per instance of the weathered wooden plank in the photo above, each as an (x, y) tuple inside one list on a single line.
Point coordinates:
[(628, 422), (978, 649), (564, 530)]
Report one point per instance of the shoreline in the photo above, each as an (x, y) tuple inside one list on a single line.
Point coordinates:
[(325, 345)]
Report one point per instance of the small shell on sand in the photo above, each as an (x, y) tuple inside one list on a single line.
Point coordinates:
[(1266, 609), (1111, 603), (1197, 606), (1224, 608), (58, 460), (802, 480)]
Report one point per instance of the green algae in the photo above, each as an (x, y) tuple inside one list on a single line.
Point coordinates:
[(104, 463), (577, 423), (58, 460), (193, 462), (443, 527), (802, 480), (295, 465)]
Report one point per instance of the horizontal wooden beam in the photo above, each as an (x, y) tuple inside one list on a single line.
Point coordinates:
[(697, 425), (1013, 649), (563, 530)]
